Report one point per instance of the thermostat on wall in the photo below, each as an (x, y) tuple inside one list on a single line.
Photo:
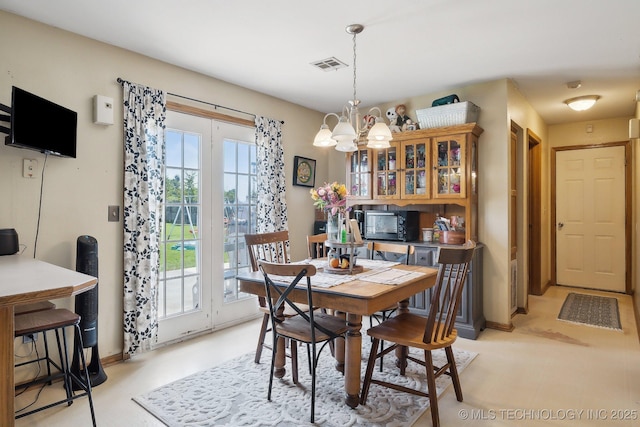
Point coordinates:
[(102, 110)]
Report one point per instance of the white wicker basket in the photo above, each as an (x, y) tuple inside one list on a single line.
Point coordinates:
[(457, 113)]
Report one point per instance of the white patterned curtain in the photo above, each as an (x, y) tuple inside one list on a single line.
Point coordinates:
[(144, 159), (272, 205)]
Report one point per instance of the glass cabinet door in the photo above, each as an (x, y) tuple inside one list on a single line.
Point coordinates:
[(359, 174), (386, 174), (415, 164), (448, 158)]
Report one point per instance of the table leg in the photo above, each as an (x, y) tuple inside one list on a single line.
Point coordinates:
[(401, 352), (340, 344), (352, 360), (7, 391)]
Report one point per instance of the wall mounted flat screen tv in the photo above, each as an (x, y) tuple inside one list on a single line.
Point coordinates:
[(41, 125)]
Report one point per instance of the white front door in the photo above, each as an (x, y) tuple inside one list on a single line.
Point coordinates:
[(590, 218)]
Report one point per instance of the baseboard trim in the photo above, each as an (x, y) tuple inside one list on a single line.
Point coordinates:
[(111, 360), (508, 327)]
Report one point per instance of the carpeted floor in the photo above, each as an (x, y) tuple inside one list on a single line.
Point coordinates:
[(235, 394), (591, 310)]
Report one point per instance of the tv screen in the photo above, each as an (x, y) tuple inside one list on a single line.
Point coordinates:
[(39, 124)]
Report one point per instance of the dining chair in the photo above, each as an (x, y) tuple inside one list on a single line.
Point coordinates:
[(272, 247), (315, 245), (317, 249), (436, 331), (308, 327), (388, 252)]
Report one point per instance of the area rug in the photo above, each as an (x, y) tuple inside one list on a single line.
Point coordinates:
[(592, 310), (235, 394)]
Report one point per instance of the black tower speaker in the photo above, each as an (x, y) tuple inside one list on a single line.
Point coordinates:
[(87, 307)]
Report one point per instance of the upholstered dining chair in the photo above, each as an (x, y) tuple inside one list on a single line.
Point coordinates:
[(309, 327), (388, 252), (315, 245), (272, 247), (436, 331)]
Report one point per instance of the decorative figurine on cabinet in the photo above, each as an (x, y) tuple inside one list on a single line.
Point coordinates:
[(398, 119)]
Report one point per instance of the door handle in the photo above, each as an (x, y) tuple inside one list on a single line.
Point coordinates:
[(560, 225)]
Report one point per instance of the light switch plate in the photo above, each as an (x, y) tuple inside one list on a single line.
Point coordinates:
[(29, 168), (114, 213)]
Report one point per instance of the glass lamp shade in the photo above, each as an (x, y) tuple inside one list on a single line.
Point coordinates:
[(379, 135), (323, 138), (346, 146), (582, 103), (344, 131)]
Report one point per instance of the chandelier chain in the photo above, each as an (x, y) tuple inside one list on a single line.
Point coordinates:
[(354, 66)]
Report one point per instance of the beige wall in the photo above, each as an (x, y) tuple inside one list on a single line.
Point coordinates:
[(70, 70)]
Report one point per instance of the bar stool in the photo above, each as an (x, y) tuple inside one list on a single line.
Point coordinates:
[(56, 320), (32, 308)]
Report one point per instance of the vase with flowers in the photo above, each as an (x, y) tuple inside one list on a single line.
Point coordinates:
[(332, 199)]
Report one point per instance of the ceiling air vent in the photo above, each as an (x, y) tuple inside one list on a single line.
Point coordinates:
[(329, 64)]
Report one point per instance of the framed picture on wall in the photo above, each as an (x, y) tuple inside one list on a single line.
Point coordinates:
[(304, 171)]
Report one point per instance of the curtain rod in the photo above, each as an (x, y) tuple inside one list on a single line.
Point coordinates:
[(120, 80)]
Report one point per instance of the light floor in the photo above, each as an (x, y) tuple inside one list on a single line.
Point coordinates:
[(546, 372)]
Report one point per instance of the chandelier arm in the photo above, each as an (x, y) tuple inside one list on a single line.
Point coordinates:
[(377, 109), (330, 114)]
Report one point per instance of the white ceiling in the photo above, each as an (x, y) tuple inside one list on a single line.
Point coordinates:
[(408, 47)]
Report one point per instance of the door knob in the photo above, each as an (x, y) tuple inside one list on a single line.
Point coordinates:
[(560, 225)]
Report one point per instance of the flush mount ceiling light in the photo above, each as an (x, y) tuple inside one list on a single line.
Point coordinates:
[(581, 103), (350, 127)]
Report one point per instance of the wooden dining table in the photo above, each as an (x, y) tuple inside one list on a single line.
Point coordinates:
[(352, 299), (26, 280)]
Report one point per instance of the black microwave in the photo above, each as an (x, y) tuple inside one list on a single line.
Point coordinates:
[(403, 226)]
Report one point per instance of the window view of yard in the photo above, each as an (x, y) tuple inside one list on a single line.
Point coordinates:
[(179, 290), (239, 211)]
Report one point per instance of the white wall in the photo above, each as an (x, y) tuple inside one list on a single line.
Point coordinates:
[(70, 70)]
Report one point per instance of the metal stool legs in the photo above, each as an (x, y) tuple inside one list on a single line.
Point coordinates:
[(57, 321)]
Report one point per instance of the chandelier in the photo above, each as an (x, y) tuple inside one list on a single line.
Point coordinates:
[(351, 127)]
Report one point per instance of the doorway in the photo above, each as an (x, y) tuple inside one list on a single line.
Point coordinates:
[(534, 206), (590, 216)]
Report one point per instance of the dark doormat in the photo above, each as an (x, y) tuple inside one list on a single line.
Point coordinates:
[(601, 312)]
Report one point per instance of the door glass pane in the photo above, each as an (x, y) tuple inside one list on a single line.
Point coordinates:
[(179, 249), (239, 205)]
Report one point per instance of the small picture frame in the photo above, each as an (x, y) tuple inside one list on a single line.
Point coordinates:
[(304, 171)]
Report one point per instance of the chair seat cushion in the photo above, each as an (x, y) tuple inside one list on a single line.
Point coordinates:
[(407, 329), (44, 321), (298, 329)]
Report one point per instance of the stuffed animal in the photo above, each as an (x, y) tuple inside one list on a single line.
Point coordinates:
[(403, 121), (392, 116)]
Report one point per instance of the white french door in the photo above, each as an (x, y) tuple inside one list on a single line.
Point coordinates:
[(192, 287)]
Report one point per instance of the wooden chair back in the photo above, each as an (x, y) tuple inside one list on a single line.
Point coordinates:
[(382, 249), (316, 247), (272, 247), (445, 300), (298, 272)]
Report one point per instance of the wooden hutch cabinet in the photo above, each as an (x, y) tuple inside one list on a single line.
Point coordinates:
[(436, 166), (433, 170)]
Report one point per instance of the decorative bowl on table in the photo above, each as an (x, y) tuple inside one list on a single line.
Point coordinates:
[(339, 264)]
